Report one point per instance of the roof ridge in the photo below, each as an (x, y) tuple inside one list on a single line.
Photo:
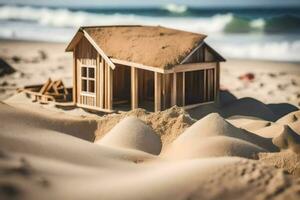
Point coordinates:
[(118, 25), (139, 25)]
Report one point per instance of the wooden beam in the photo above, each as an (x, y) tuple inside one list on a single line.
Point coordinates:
[(157, 93), (99, 50), (95, 108), (101, 83), (78, 69), (218, 83), (205, 89), (74, 77), (109, 88), (194, 66), (191, 53), (183, 89), (196, 105), (106, 86), (176, 68), (164, 91), (215, 84), (72, 45), (137, 65), (174, 90), (134, 88)]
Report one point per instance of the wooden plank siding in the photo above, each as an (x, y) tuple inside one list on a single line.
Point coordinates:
[(86, 55)]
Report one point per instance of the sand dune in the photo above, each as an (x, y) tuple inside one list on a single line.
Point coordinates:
[(214, 125), (287, 160), (168, 124), (216, 146), (292, 120), (48, 153), (289, 118), (248, 123), (249, 107), (37, 162), (287, 139), (133, 133), (82, 128)]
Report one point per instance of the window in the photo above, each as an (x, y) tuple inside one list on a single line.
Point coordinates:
[(88, 79)]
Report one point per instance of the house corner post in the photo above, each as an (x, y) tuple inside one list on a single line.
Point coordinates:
[(134, 88), (174, 89), (157, 93), (74, 90), (110, 88)]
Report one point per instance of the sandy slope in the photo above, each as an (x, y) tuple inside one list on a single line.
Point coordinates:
[(40, 162), (240, 151)]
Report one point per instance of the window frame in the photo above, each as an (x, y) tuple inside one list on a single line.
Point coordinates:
[(88, 80)]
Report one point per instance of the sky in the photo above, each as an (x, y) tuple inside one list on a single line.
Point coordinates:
[(141, 3)]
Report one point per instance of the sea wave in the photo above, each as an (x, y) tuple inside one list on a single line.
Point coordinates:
[(227, 23), (276, 51), (227, 32), (176, 9)]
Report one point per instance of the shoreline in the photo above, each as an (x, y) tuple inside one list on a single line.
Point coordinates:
[(11, 40), (274, 81)]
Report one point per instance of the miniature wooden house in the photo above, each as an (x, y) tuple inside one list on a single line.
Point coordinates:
[(127, 67)]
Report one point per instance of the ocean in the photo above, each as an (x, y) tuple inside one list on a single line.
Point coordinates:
[(251, 33)]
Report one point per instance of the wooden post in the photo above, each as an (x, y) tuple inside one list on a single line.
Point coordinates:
[(106, 85), (101, 83), (215, 83), (157, 93), (218, 82), (110, 88), (134, 88), (78, 82), (164, 95), (205, 89), (74, 77), (174, 90), (183, 88)]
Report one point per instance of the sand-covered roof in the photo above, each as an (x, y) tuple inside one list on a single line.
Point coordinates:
[(148, 45)]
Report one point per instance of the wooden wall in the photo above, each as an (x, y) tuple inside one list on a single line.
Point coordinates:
[(202, 54), (116, 84), (86, 54)]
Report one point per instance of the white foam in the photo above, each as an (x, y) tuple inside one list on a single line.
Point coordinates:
[(61, 24), (278, 51), (66, 18), (174, 8)]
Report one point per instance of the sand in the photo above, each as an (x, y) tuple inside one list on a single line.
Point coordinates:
[(247, 148), (159, 40), (133, 133), (39, 163)]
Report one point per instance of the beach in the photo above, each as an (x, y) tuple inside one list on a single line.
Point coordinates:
[(248, 147), (35, 62)]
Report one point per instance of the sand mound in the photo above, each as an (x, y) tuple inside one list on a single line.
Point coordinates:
[(249, 107), (226, 97), (5, 68), (211, 147), (214, 125), (281, 109), (288, 139), (289, 118), (40, 162), (169, 124), (286, 160), (81, 128), (248, 123), (133, 133)]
